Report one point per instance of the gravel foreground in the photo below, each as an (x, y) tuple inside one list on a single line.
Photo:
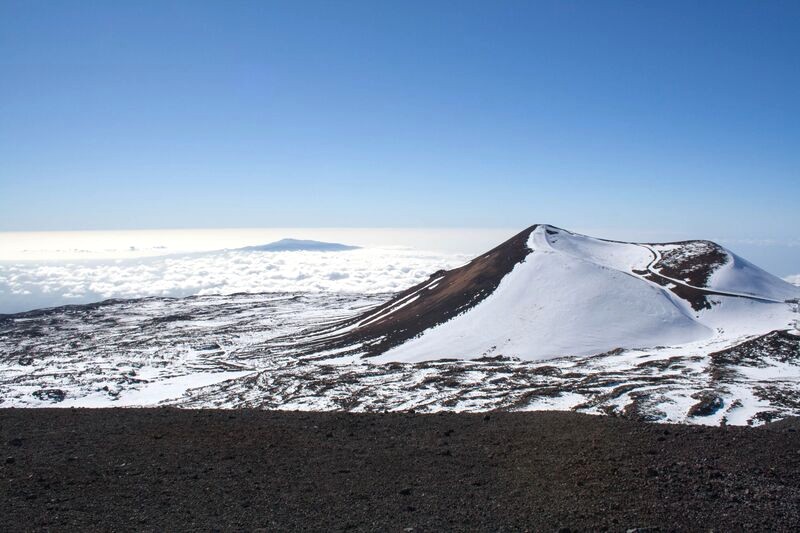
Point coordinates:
[(205, 470)]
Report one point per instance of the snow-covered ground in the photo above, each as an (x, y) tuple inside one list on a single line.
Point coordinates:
[(582, 324), (142, 352), (232, 351)]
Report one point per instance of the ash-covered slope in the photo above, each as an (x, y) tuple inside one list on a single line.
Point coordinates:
[(548, 293)]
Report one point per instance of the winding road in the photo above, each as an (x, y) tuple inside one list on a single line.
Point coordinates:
[(657, 258)]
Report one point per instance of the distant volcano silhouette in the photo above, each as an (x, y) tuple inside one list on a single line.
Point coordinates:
[(299, 245)]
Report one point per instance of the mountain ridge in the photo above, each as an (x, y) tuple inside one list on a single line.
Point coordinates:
[(556, 284)]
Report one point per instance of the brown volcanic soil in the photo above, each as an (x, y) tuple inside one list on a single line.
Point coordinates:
[(455, 292), (165, 469), (695, 269)]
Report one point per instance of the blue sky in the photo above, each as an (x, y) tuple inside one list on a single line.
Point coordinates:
[(681, 117)]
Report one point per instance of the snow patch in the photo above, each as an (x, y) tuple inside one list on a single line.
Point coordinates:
[(741, 276)]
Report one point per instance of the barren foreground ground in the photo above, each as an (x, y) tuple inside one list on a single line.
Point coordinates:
[(167, 469)]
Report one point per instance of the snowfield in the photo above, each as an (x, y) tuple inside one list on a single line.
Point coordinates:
[(741, 276), (683, 332)]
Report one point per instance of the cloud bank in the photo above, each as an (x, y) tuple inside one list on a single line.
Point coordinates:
[(32, 285), (793, 279)]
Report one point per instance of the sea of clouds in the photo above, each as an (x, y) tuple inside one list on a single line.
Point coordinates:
[(31, 285), (49, 269)]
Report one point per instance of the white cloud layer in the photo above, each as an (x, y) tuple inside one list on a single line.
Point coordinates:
[(793, 279), (31, 285)]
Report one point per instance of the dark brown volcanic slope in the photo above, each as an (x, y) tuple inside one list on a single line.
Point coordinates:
[(695, 267), (180, 470), (451, 292)]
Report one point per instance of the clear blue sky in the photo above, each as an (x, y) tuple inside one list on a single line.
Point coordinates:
[(681, 116)]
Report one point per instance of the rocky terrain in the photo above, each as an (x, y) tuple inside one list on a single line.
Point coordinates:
[(231, 351), (253, 470)]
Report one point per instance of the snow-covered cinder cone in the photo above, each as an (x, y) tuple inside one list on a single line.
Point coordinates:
[(548, 293)]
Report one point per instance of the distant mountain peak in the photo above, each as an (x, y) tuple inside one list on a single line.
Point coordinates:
[(299, 245)]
